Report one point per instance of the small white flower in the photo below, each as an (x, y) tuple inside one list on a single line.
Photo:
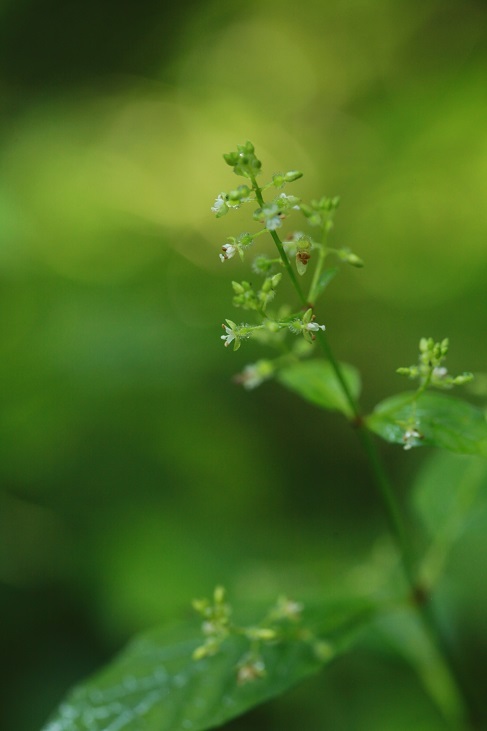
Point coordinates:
[(219, 203), (251, 378), (307, 329), (250, 671), (314, 327), (254, 374), (229, 250), (229, 336), (439, 372), (272, 223), (409, 438)]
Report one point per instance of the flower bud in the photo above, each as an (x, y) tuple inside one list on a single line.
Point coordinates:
[(245, 239), (355, 260), (219, 593), (464, 378), (261, 633), (278, 180), (237, 288), (306, 210), (231, 158), (403, 371), (293, 175), (241, 192)]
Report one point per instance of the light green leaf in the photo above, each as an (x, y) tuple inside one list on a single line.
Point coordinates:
[(316, 381), (155, 685), (442, 421)]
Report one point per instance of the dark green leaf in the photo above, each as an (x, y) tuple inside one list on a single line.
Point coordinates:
[(316, 381), (155, 685), (443, 421)]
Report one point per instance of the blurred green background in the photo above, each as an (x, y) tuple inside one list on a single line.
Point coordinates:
[(134, 474)]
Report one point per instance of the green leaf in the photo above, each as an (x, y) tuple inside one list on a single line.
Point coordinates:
[(443, 421), (448, 494), (155, 684), (316, 381)]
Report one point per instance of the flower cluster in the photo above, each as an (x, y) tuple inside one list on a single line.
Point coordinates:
[(244, 161), (295, 254), (217, 627), (216, 623), (430, 369), (246, 298)]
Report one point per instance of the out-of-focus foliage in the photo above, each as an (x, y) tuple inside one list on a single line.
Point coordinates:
[(134, 473), (160, 683)]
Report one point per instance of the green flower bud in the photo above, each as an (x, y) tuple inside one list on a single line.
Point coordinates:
[(203, 651), (243, 191), (403, 371), (245, 239), (262, 264), (231, 158), (278, 180), (276, 279), (293, 175), (261, 633), (350, 257), (237, 288), (355, 261), (244, 161), (200, 605), (272, 326), (464, 378), (219, 593), (306, 210)]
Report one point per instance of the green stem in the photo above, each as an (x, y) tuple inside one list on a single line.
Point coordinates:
[(316, 274), (396, 523), (280, 248), (323, 250)]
